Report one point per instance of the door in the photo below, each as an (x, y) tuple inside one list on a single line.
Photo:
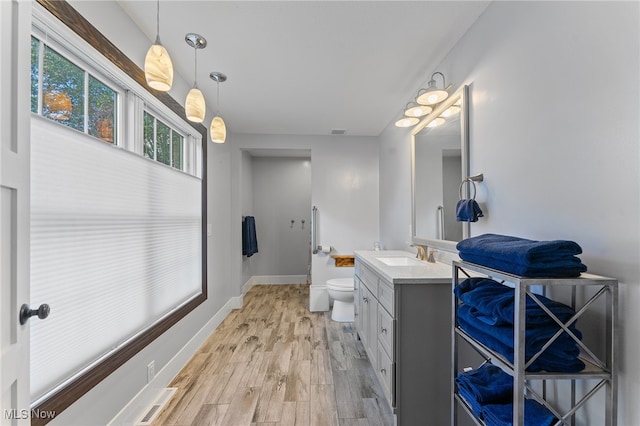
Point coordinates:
[(15, 32)]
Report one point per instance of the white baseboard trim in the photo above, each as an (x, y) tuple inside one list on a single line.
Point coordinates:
[(273, 280), (132, 412)]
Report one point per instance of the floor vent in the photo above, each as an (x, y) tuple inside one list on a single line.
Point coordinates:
[(338, 131), (157, 406)]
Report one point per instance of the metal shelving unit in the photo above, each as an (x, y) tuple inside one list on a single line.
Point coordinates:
[(599, 369)]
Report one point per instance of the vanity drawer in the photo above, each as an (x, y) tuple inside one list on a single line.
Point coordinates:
[(385, 331), (385, 295), (386, 374), (370, 279)]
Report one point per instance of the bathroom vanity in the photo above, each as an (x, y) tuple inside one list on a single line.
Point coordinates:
[(403, 318)]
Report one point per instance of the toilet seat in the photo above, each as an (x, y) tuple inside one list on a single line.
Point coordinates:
[(341, 284)]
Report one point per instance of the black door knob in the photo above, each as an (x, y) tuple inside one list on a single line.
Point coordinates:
[(25, 313)]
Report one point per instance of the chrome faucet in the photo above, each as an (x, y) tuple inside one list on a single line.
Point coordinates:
[(422, 251)]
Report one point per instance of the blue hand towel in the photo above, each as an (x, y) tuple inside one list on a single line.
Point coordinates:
[(467, 210), (567, 267), (561, 355), (487, 384), (497, 303), (535, 414), (249, 239), (518, 250)]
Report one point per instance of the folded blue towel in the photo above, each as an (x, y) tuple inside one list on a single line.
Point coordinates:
[(535, 414), (518, 250), (497, 303), (563, 268), (487, 384), (249, 239), (561, 355), (467, 210)]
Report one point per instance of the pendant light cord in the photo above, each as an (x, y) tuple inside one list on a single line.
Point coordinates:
[(195, 68), (157, 22)]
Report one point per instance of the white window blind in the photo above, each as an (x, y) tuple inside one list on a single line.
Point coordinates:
[(115, 246)]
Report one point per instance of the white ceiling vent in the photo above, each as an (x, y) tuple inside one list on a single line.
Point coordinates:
[(338, 131)]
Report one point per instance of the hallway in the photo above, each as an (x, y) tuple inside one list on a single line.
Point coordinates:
[(275, 363)]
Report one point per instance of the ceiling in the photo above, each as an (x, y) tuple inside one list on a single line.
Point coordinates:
[(309, 67)]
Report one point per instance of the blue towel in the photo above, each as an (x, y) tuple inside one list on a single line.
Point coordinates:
[(249, 239), (518, 250), (561, 355), (563, 268), (468, 211), (497, 303), (487, 384), (535, 414)]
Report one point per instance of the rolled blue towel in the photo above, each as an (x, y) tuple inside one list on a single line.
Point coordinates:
[(518, 250), (561, 355), (487, 384), (535, 414), (568, 267), (497, 303), (467, 210)]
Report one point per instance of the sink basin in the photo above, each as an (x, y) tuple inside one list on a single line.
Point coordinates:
[(399, 261)]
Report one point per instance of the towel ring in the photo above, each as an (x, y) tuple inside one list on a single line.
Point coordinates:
[(475, 190)]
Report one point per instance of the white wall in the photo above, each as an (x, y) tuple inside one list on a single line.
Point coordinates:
[(554, 128), (281, 193), (344, 187)]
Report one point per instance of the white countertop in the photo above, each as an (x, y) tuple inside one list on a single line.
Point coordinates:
[(422, 272)]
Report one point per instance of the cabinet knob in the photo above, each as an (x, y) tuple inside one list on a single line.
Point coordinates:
[(383, 371), (365, 300), (384, 330)]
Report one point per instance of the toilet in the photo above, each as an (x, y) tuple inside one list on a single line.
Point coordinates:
[(341, 291)]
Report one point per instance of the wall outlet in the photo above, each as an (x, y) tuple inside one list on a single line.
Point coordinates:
[(151, 371)]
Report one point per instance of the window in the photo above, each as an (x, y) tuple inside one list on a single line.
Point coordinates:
[(67, 94), (125, 233), (162, 143)]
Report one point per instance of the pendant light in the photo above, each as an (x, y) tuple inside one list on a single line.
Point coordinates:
[(218, 129), (158, 69), (415, 110), (407, 122), (432, 94), (195, 106)]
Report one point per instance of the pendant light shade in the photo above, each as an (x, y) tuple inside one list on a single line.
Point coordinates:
[(218, 130), (194, 106), (451, 111), (432, 94), (158, 68)]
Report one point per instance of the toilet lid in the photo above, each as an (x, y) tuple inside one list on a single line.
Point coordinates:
[(343, 283)]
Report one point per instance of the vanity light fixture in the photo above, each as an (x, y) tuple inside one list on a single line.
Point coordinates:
[(158, 68), (195, 106), (415, 110), (218, 129), (438, 121), (407, 121), (450, 112), (432, 95)]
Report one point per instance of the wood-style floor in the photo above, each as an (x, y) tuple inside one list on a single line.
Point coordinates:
[(275, 363)]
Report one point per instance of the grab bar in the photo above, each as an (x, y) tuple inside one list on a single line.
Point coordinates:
[(314, 245), (440, 210)]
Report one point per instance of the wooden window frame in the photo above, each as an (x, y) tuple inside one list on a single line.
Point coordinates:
[(61, 400)]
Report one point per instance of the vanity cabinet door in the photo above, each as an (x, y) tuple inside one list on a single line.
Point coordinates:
[(357, 305)]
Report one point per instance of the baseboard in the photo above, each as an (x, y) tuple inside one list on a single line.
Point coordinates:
[(273, 280), (132, 412)]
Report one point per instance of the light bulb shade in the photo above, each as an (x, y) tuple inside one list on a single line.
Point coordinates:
[(418, 111), (194, 106), (432, 96), (218, 130), (451, 111), (158, 68), (407, 122), (436, 122)]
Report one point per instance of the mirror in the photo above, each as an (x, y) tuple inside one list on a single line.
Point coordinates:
[(439, 163)]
